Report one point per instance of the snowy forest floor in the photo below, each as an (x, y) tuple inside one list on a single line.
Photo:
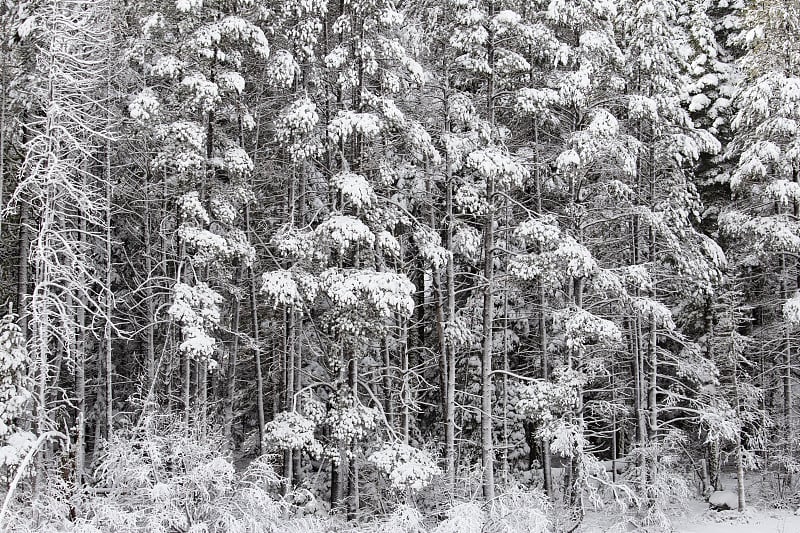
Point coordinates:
[(698, 518), (763, 514), (757, 519)]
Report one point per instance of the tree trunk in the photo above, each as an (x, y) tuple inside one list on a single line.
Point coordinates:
[(289, 362), (547, 456), (256, 346), (108, 301), (230, 378), (487, 445)]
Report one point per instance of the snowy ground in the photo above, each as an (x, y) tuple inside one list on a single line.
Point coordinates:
[(696, 517), (698, 520)]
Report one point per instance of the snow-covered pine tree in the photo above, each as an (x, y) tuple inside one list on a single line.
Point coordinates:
[(665, 204), (761, 222), (192, 58)]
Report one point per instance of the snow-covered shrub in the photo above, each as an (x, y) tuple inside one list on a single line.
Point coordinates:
[(471, 198), (467, 242), (544, 401), (282, 69), (378, 293), (347, 123), (388, 243), (204, 94), (207, 247), (519, 511), (163, 476), (404, 519), (231, 81), (343, 232), (293, 242), (581, 327), (14, 385), (287, 288), (466, 517), (290, 430), (196, 310), (222, 209), (406, 466), (491, 163), (237, 162), (144, 106), (666, 488), (430, 247), (541, 231), (458, 333), (280, 288), (183, 147), (354, 188), (421, 144), (349, 420), (16, 446), (294, 129), (791, 309), (191, 208)]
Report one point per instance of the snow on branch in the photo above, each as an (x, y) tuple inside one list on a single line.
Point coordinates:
[(406, 466)]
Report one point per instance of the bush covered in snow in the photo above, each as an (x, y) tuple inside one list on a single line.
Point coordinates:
[(407, 467)]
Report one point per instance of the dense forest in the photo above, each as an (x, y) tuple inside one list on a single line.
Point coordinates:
[(406, 266)]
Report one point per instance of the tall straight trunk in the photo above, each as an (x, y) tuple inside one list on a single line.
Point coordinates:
[(614, 444), (185, 360), (450, 362), (80, 397), (187, 384), (297, 455), (652, 342), (230, 374), (547, 456), (575, 362), (638, 359), (3, 90), (786, 377), (438, 301), (652, 352), (108, 301), (24, 246), (439, 304), (388, 407), (353, 492), (653, 376), (289, 375), (339, 476), (80, 336), (300, 207), (256, 344), (22, 266), (150, 345), (487, 444), (202, 401), (504, 458), (40, 330), (740, 485), (636, 349), (42, 341), (404, 368), (638, 392)]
